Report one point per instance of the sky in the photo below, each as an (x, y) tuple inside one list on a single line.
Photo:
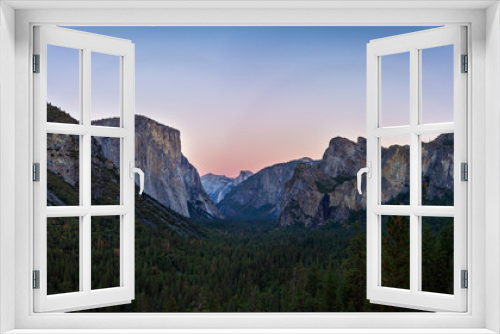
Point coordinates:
[(244, 98)]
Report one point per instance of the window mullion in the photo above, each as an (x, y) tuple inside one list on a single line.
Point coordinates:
[(414, 170), (86, 177)]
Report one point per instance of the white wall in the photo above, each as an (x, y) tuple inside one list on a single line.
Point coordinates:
[(492, 163), (7, 162)]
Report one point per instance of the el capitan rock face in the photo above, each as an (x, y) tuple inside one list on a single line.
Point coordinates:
[(217, 186), (63, 179), (168, 176)]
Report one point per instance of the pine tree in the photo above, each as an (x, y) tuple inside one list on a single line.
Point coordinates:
[(396, 253)]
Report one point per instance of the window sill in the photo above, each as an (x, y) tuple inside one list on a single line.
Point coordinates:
[(250, 331)]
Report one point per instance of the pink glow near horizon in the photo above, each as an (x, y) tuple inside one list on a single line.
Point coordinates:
[(256, 145)]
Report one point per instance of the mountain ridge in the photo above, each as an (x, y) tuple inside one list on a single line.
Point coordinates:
[(327, 192), (260, 195), (218, 186)]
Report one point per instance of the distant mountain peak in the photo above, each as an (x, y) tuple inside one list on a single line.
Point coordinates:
[(218, 186)]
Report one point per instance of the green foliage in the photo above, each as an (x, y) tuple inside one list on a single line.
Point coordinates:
[(396, 252), (238, 267), (65, 191), (105, 184), (226, 266), (437, 255), (62, 255), (105, 252), (56, 115)]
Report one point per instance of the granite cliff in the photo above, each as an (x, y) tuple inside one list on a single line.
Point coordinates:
[(327, 192), (63, 179), (169, 177), (259, 196)]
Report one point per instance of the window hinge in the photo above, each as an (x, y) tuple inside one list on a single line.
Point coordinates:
[(465, 64), (36, 63), (465, 279), (464, 171), (36, 172), (36, 279)]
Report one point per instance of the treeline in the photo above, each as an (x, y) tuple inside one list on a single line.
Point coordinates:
[(257, 267)]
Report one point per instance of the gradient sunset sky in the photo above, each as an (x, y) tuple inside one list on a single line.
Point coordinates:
[(245, 98)]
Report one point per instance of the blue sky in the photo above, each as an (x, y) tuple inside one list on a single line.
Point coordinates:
[(249, 97)]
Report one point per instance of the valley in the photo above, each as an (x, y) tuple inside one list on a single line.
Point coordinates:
[(289, 238)]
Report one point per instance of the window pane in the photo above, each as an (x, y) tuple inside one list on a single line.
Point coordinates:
[(437, 84), (395, 170), (437, 254), (437, 169), (396, 252), (63, 84), (105, 89), (105, 252), (395, 89), (63, 262), (63, 170), (105, 171)]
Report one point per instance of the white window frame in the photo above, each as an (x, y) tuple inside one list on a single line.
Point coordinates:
[(86, 44), (414, 43), (483, 314)]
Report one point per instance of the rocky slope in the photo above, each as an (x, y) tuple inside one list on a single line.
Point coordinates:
[(437, 170), (327, 192), (63, 181), (259, 197), (169, 177), (316, 194), (217, 186)]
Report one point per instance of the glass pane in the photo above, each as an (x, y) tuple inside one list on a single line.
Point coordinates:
[(105, 171), (63, 262), (395, 170), (105, 90), (396, 252), (437, 254), (63, 85), (105, 252), (437, 84), (63, 170), (395, 89), (437, 169)]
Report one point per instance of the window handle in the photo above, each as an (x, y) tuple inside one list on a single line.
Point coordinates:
[(134, 170), (368, 171)]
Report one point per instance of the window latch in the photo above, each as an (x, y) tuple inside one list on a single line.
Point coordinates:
[(368, 171), (134, 170)]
